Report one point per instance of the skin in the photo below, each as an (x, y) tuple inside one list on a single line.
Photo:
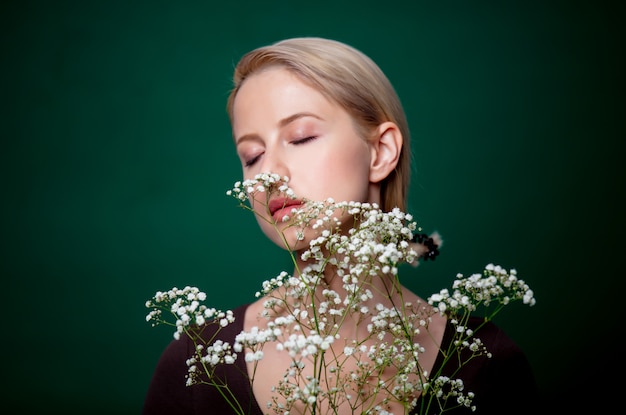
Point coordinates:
[(282, 125)]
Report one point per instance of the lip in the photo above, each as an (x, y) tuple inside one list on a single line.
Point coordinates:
[(282, 206)]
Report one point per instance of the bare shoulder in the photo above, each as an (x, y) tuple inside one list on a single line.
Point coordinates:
[(253, 316)]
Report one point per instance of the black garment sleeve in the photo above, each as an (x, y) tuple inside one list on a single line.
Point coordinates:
[(503, 383), (168, 393)]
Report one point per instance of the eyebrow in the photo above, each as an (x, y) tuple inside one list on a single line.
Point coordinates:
[(282, 123)]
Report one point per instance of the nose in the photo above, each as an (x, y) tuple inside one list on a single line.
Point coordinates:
[(273, 161)]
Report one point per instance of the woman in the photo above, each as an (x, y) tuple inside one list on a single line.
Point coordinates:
[(323, 116)]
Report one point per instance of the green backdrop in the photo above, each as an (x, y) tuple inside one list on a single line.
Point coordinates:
[(116, 155)]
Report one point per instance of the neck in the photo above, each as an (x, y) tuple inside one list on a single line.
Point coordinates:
[(358, 298)]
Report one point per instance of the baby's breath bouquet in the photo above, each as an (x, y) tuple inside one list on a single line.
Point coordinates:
[(303, 315)]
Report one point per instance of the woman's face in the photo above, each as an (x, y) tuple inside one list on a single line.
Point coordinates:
[(281, 125)]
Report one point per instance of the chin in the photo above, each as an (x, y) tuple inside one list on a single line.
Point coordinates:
[(286, 238)]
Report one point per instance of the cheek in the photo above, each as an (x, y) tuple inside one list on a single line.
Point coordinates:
[(343, 175)]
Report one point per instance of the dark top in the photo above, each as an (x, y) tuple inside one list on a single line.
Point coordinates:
[(503, 384)]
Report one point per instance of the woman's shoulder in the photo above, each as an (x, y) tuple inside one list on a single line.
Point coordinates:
[(219, 326), (492, 336), (168, 393), (498, 376), (210, 331), (500, 347)]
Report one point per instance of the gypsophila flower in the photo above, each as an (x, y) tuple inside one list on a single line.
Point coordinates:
[(494, 285), (302, 316)]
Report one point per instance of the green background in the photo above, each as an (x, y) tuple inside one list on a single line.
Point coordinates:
[(116, 155)]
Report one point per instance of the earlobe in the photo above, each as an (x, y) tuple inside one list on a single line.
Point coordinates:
[(385, 147)]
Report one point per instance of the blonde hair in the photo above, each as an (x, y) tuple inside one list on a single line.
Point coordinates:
[(348, 77)]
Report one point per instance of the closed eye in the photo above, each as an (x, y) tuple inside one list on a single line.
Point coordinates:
[(304, 140), (299, 141), (253, 160)]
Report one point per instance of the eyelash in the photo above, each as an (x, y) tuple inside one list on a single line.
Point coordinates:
[(297, 142), (304, 140), (250, 162)]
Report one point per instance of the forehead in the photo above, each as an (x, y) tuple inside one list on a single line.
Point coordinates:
[(276, 93)]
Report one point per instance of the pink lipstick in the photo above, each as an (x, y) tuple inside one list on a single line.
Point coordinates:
[(282, 206)]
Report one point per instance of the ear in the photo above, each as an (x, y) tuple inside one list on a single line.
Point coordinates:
[(385, 147)]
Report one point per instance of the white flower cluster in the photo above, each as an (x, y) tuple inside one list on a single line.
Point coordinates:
[(445, 388), (218, 352), (187, 308), (261, 183), (304, 313), (494, 285)]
